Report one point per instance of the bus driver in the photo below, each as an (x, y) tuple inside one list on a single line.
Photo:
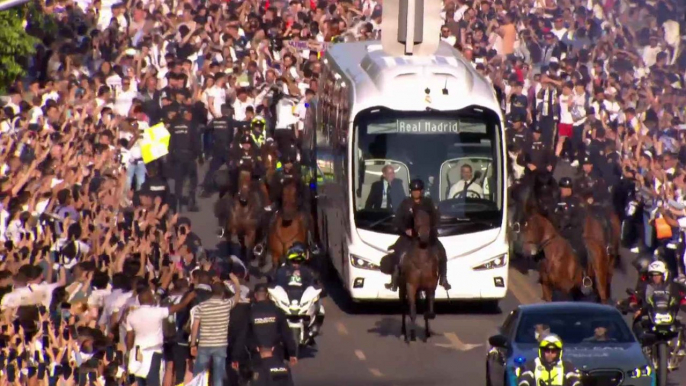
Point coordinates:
[(467, 187)]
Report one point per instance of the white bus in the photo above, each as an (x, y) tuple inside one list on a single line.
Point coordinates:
[(433, 118)]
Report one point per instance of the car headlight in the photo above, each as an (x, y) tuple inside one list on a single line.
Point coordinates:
[(644, 371), (495, 262), (361, 263)]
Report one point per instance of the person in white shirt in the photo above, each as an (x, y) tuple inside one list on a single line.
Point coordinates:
[(124, 98), (447, 37), (216, 97), (145, 338), (242, 102), (467, 187), (650, 52)]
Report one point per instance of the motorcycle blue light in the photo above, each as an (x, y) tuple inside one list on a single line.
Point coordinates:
[(520, 360)]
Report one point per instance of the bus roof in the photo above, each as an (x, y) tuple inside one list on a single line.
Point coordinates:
[(400, 83)]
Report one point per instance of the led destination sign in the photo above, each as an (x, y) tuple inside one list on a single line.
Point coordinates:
[(425, 126)]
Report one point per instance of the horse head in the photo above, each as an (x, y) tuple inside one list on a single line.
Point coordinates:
[(289, 199), (422, 224), (244, 183)]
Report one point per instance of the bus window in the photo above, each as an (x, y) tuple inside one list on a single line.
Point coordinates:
[(456, 154)]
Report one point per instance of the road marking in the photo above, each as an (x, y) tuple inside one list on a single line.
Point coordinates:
[(521, 289), (456, 343), (360, 355), (341, 328), (376, 372)]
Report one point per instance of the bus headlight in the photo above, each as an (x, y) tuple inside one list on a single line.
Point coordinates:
[(495, 262), (361, 263)]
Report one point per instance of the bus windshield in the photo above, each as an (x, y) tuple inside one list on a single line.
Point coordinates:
[(456, 154)]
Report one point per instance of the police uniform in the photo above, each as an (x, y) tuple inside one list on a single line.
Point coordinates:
[(562, 373), (404, 220), (156, 186), (184, 150), (537, 372), (571, 214), (537, 153), (269, 328), (257, 131), (272, 372), (517, 138), (222, 130)]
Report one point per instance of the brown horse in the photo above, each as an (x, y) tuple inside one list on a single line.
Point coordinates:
[(609, 243), (289, 226), (246, 214), (560, 270), (419, 272)]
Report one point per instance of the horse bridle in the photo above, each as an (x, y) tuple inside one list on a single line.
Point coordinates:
[(540, 246)]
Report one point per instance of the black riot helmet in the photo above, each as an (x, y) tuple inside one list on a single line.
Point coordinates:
[(245, 138), (288, 158), (566, 182), (416, 184)]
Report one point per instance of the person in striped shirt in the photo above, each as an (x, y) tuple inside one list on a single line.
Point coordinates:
[(210, 331)]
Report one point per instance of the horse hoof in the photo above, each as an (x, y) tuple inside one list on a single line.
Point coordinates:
[(431, 316)]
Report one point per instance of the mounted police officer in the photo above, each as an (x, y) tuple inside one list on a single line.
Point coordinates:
[(246, 153), (257, 131), (184, 151), (570, 213), (222, 136), (404, 222), (288, 174), (548, 369)]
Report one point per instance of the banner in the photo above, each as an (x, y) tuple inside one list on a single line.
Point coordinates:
[(201, 379), (155, 143), (320, 47)]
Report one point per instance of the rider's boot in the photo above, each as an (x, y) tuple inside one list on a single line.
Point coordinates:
[(314, 248), (443, 272), (393, 285), (192, 203)]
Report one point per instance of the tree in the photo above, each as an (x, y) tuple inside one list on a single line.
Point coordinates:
[(16, 45)]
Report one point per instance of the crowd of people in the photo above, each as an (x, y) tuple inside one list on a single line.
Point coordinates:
[(93, 236)]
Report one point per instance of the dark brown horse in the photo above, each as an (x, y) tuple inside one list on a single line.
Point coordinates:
[(289, 226), (246, 213), (608, 241), (560, 270), (419, 272)]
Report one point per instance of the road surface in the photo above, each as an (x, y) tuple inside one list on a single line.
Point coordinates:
[(361, 345)]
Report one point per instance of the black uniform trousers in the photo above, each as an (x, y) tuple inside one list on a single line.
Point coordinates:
[(184, 168), (219, 158), (284, 138)]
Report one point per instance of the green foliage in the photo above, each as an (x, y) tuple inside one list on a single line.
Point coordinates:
[(15, 46)]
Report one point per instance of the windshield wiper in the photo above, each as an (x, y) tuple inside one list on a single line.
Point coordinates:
[(383, 220), (458, 221)]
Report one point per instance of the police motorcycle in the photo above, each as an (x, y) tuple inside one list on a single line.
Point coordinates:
[(662, 338), (299, 301)]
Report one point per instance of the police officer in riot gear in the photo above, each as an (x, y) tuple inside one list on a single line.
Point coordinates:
[(184, 151), (548, 368), (222, 136), (403, 222)]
